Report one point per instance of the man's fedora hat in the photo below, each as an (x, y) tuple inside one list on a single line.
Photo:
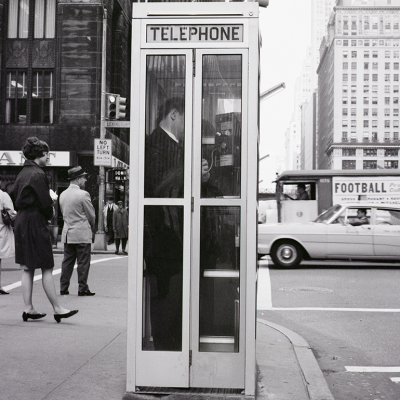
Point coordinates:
[(75, 172)]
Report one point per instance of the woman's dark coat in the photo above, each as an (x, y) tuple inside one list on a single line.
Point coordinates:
[(32, 199)]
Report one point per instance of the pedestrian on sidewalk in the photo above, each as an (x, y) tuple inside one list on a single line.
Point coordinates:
[(79, 219), (33, 248), (108, 213), (7, 247), (120, 224)]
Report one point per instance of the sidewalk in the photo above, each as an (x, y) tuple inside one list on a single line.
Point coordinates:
[(85, 357)]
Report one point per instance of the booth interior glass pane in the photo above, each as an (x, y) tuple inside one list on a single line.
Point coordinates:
[(165, 126), (162, 278), (221, 125), (219, 279)]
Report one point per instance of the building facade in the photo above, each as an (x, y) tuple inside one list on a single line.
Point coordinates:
[(50, 84), (358, 86)]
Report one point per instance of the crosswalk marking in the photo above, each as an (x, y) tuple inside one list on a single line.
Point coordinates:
[(372, 369)]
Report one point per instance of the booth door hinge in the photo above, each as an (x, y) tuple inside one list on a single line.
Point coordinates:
[(192, 204), (190, 358), (194, 62)]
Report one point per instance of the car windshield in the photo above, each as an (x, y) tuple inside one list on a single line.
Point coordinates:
[(328, 214)]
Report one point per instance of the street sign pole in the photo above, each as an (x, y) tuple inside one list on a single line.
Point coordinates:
[(100, 237)]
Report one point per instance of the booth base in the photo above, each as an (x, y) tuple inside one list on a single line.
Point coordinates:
[(150, 393)]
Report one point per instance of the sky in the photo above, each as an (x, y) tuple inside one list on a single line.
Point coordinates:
[(286, 32)]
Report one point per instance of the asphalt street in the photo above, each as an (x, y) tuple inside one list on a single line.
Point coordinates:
[(349, 314)]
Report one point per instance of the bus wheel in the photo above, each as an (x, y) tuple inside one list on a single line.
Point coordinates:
[(286, 254)]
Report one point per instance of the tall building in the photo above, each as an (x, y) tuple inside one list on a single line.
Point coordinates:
[(358, 86), (50, 84)]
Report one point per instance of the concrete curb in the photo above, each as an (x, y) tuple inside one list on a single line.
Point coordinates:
[(314, 380)]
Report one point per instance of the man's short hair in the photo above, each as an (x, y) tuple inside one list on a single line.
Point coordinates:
[(301, 186), (177, 103), (363, 210)]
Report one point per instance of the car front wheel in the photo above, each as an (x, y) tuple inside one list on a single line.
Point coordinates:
[(286, 254)]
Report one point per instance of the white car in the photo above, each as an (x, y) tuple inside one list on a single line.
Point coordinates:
[(337, 233)]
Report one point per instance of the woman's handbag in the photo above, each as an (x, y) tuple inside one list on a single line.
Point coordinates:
[(6, 218)]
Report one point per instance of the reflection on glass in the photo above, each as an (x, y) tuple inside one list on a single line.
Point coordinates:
[(165, 126), (219, 279), (162, 283), (221, 128)]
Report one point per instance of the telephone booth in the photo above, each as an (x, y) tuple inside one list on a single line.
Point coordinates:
[(193, 212)]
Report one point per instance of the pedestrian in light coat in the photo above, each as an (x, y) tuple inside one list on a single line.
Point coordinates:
[(79, 219), (120, 223)]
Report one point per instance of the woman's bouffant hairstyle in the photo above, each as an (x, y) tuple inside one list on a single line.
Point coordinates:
[(34, 148)]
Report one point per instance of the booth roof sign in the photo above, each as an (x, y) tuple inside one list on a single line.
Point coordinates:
[(194, 33)]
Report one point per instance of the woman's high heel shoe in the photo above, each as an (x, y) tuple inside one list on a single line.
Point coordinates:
[(2, 291), (59, 317), (25, 316)]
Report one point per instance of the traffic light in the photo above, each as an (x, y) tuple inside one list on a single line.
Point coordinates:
[(111, 106), (121, 107)]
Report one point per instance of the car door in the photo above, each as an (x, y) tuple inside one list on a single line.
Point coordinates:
[(386, 230), (347, 241)]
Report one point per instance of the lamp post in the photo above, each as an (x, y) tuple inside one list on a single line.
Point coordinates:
[(275, 89)]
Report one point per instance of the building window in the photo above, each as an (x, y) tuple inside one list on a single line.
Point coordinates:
[(354, 100), (370, 152), (391, 152), (375, 77), (387, 88), (387, 65), (344, 137), (345, 77), (387, 112), (344, 100), (395, 100), (365, 137), (374, 112), (391, 164), (395, 88), (354, 123), (354, 77), (395, 77), (369, 164), (345, 65), (349, 152), (345, 54), (366, 124), (366, 55), (374, 54), (395, 135), (387, 54), (366, 42), (366, 77), (348, 164), (375, 65), (374, 123), (16, 98), (18, 19), (353, 53), (344, 88), (366, 112), (353, 112), (344, 112), (387, 123), (374, 100), (396, 65), (395, 112), (353, 65), (366, 89), (45, 19), (387, 100), (374, 136), (396, 54), (395, 123), (366, 100), (42, 97), (344, 123), (375, 89), (353, 137), (387, 77)]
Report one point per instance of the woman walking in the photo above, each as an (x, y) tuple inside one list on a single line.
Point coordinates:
[(33, 247), (7, 248), (120, 225)]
